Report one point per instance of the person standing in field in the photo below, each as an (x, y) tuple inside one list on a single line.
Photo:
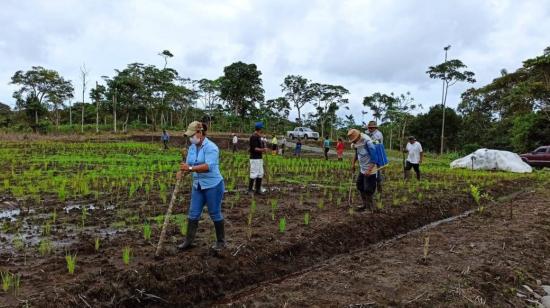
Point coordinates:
[(283, 145), (378, 139), (274, 145), (340, 148), (165, 139), (326, 147), (366, 180), (203, 162), (234, 142), (298, 148), (374, 133), (414, 158), (257, 148)]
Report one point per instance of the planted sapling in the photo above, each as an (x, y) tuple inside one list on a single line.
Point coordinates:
[(71, 262), (126, 255), (282, 225)]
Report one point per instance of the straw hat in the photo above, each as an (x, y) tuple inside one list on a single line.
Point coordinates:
[(354, 135)]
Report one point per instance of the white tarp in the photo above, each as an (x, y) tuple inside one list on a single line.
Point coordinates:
[(485, 159)]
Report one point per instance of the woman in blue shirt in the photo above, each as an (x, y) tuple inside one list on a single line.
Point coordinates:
[(208, 187)]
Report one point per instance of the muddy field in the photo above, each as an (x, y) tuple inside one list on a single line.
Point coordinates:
[(491, 259), (274, 252)]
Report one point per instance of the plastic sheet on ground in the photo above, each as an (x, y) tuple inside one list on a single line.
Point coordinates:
[(486, 159)]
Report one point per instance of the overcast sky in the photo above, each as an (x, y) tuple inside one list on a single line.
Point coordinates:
[(365, 46)]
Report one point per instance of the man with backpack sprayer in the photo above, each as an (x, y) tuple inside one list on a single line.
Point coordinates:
[(368, 158)]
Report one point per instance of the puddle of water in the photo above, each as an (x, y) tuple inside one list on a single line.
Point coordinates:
[(9, 210), (73, 206), (10, 214)]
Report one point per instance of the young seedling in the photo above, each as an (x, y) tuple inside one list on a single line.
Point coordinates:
[(96, 244), (18, 243), (46, 229), (282, 225), (273, 209), (16, 281), (159, 220), (147, 231), (83, 215), (45, 247), (6, 280), (321, 204), (71, 262), (126, 255), (54, 216), (306, 218), (251, 212)]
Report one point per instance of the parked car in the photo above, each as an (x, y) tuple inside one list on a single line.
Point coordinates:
[(302, 133), (538, 158)]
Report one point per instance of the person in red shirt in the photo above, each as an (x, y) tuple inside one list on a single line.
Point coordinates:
[(340, 148)]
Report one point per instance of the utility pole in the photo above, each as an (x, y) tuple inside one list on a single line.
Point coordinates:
[(114, 111), (443, 101), (96, 111)]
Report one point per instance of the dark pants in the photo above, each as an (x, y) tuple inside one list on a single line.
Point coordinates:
[(326, 153), (366, 183), (416, 167), (234, 147), (165, 144)]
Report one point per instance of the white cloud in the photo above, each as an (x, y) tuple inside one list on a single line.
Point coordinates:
[(365, 46)]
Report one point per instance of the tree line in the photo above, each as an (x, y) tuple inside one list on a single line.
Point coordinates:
[(512, 112)]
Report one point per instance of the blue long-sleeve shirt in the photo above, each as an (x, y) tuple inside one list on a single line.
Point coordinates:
[(208, 153)]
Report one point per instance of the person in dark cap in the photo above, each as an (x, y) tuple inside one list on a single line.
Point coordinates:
[(414, 158), (256, 161)]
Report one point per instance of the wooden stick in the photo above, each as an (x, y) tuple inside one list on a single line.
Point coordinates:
[(350, 188), (167, 217)]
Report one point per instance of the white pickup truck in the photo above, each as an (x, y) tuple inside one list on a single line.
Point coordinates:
[(302, 133)]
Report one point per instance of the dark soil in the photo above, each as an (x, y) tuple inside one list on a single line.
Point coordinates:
[(491, 259), (256, 253)]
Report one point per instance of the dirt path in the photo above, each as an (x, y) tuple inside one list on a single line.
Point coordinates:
[(481, 259)]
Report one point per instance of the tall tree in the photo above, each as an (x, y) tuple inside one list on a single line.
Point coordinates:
[(277, 111), (328, 99), (98, 95), (297, 90), (241, 87), (425, 127), (398, 112), (209, 93), (166, 54), (379, 104), (38, 88), (450, 72)]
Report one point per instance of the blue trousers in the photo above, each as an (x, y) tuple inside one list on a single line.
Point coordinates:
[(212, 197)]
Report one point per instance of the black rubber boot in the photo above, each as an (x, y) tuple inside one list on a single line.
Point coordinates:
[(250, 186), (192, 226), (259, 186), (379, 187), (220, 236), (363, 202), (371, 204)]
